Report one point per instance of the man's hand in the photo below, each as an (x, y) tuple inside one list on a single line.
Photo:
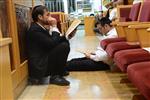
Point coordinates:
[(72, 34), (87, 55), (92, 53), (52, 21)]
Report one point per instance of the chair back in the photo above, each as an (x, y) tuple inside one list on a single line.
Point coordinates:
[(133, 16), (144, 15)]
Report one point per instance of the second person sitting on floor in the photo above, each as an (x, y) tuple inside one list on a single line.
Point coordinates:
[(97, 60)]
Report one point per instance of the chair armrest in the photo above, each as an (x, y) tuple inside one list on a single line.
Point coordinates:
[(140, 25), (124, 6), (114, 23), (127, 23)]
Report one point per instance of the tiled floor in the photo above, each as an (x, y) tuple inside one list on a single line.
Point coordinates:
[(97, 85)]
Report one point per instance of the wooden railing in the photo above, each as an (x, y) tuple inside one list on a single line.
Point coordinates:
[(6, 90), (13, 62)]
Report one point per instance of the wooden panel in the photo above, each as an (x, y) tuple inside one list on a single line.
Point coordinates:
[(21, 86), (0, 31), (144, 37), (120, 7), (89, 24), (15, 78), (13, 34), (23, 70), (120, 31), (4, 18), (14, 48), (131, 35), (6, 92)]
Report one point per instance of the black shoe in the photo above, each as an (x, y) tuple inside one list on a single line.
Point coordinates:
[(33, 81), (66, 73), (58, 80), (38, 81)]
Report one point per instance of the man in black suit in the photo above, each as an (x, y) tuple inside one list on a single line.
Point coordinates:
[(47, 53)]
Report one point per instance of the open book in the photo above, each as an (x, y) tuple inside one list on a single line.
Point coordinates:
[(83, 51), (72, 27)]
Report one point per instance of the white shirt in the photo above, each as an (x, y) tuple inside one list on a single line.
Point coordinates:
[(113, 14), (100, 54), (111, 34), (54, 28), (137, 1)]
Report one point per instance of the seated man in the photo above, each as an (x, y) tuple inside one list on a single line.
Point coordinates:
[(97, 60), (47, 52)]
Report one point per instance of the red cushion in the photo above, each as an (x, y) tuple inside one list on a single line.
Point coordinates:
[(114, 47), (125, 57), (105, 42), (134, 12), (56, 16), (124, 12), (139, 75)]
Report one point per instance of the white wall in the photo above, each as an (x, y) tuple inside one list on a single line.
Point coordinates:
[(97, 4)]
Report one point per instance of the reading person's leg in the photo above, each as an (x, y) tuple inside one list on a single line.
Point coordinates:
[(85, 64), (57, 61)]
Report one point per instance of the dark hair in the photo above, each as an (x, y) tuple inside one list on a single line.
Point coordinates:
[(91, 14), (103, 21), (38, 10)]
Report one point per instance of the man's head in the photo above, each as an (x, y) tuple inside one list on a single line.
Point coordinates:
[(104, 25), (40, 14)]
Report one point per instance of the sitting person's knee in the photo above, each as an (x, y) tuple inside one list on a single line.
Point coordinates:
[(65, 46)]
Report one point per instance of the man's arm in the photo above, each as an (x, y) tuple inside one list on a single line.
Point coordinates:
[(57, 37), (42, 39), (100, 55)]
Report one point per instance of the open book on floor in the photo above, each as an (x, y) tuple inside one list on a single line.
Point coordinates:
[(72, 27), (84, 51)]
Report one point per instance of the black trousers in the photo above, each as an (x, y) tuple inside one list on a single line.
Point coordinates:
[(85, 64), (57, 59)]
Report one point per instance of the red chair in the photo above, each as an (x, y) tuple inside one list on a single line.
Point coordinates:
[(114, 47), (124, 12), (132, 16), (124, 58), (119, 46), (139, 75), (105, 42)]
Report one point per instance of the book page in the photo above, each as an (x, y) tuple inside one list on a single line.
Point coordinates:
[(83, 51), (73, 26)]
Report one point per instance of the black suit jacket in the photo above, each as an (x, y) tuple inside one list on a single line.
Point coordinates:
[(39, 44)]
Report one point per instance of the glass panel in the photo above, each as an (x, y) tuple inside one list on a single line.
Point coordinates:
[(23, 22), (54, 5), (4, 18)]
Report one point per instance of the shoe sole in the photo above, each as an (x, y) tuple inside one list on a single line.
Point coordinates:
[(59, 84)]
